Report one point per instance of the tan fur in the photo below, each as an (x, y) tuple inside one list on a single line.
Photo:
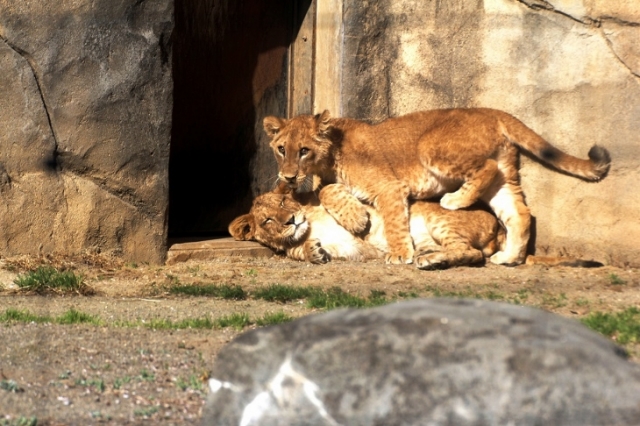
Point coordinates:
[(300, 227), (462, 155), (443, 238)]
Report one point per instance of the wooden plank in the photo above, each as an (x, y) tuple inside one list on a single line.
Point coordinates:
[(328, 57), (212, 249), (301, 60)]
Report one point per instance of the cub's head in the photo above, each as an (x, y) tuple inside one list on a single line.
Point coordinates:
[(275, 220), (302, 146)]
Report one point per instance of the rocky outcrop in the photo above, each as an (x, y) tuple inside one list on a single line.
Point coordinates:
[(422, 362), (570, 70), (85, 119)]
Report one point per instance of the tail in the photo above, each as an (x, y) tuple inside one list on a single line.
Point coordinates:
[(562, 261), (593, 169)]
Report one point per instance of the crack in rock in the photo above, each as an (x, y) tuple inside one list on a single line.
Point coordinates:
[(544, 5), (52, 162)]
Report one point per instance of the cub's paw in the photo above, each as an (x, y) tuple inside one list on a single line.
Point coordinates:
[(503, 258), (354, 220), (432, 261), (454, 201), (399, 258), (315, 252)]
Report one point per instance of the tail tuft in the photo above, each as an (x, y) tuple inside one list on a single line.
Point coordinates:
[(601, 160)]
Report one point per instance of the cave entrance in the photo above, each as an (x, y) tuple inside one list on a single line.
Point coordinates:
[(234, 62)]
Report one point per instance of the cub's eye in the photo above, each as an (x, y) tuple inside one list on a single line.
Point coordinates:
[(267, 221), (281, 150), (282, 203), (304, 151)]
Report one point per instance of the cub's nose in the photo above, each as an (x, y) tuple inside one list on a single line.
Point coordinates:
[(291, 180), (291, 221)]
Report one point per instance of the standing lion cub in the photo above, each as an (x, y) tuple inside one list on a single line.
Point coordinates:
[(462, 155)]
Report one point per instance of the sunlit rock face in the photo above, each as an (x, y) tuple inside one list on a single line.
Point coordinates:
[(85, 121), (437, 361), (568, 69)]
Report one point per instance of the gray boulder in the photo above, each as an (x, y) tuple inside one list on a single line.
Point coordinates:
[(435, 362)]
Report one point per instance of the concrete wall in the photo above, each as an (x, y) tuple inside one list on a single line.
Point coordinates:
[(569, 69)]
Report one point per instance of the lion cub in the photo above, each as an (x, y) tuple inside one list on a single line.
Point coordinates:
[(300, 226), (462, 155)]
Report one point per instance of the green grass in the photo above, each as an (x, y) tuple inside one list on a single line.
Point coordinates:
[(623, 326), (223, 291), (20, 421), (616, 280), (235, 320), (46, 279), (15, 315), (76, 317), (334, 298), (284, 293), (10, 386), (192, 382), (147, 411), (273, 319)]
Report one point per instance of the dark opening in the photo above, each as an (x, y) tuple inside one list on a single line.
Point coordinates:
[(230, 68)]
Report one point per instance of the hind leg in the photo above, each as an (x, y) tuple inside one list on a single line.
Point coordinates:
[(508, 204), (474, 186), (456, 255)]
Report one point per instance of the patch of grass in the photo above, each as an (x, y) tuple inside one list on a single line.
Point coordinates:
[(97, 383), (20, 421), (224, 291), (10, 386), (15, 315), (553, 301), (47, 279), (118, 382), (273, 319), (192, 382), (333, 298), (624, 326), (614, 279), (235, 320), (284, 293), (76, 317), (146, 411), (408, 295), (147, 376)]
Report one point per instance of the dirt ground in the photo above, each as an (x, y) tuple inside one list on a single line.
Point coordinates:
[(111, 374)]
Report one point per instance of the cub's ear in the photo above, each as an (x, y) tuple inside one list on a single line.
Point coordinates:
[(324, 123), (272, 125), (242, 227)]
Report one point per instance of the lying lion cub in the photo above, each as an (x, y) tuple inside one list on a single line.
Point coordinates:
[(300, 226), (462, 155)]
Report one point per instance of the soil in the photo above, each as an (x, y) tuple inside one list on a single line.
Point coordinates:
[(111, 374)]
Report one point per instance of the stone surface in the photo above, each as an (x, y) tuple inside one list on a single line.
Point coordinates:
[(211, 249), (85, 119), (435, 361), (568, 69)]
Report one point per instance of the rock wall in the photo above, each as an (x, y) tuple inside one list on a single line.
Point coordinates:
[(85, 119), (570, 70)]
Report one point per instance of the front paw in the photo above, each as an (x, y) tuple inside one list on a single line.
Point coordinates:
[(355, 221), (503, 258), (399, 258), (317, 254), (453, 201)]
